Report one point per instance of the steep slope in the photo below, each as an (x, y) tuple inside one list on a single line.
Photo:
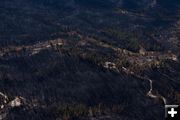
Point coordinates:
[(88, 59), (48, 80)]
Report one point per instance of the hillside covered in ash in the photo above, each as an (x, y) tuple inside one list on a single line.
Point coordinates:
[(89, 59)]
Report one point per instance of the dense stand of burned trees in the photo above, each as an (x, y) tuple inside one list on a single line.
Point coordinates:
[(74, 111), (125, 39)]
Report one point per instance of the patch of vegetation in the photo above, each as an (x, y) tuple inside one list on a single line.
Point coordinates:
[(127, 40)]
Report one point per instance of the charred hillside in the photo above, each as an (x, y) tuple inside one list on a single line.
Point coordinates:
[(88, 59), (48, 81)]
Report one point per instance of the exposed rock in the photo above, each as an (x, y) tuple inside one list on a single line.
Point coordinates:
[(17, 102), (110, 65)]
